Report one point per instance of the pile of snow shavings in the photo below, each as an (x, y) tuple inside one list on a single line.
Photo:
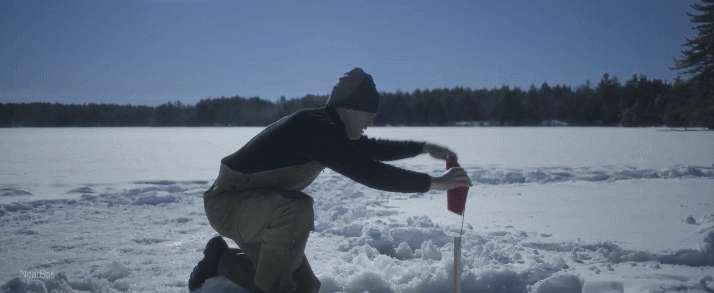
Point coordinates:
[(149, 237)]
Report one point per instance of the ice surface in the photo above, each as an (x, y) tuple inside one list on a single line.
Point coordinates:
[(632, 213), (552, 210), (48, 162)]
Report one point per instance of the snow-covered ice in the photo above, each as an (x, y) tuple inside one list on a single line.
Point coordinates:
[(553, 210)]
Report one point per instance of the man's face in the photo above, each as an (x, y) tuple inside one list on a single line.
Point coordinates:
[(355, 121)]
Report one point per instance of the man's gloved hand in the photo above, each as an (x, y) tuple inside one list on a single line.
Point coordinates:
[(437, 151), (452, 178)]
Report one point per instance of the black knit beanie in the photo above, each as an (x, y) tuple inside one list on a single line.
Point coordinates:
[(356, 91)]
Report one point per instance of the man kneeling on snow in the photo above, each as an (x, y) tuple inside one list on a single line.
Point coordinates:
[(257, 199)]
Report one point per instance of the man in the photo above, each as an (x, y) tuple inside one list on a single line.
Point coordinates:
[(257, 200)]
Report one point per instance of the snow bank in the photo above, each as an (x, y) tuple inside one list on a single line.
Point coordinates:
[(148, 237), (81, 190), (565, 283), (114, 271), (367, 281), (562, 174), (613, 253), (13, 191), (707, 283), (154, 199), (413, 255), (220, 285), (142, 195), (59, 283), (603, 287)]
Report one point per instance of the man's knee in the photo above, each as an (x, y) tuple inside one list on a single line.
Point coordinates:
[(302, 207)]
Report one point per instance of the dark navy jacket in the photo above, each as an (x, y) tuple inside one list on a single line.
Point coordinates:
[(318, 135)]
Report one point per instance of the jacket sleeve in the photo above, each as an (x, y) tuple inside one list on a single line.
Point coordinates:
[(388, 150), (343, 157)]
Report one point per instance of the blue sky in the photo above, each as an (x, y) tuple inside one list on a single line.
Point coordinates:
[(153, 51)]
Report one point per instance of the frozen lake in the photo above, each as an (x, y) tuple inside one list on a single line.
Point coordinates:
[(46, 160), (607, 209)]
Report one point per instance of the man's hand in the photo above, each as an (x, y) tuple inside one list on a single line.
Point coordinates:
[(437, 151), (452, 178)]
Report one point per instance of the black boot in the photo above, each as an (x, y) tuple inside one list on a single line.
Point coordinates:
[(208, 266), (237, 267)]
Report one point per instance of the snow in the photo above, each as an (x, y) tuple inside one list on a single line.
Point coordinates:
[(566, 283), (49, 162), (114, 271), (603, 287), (220, 285), (153, 199), (553, 210), (496, 176)]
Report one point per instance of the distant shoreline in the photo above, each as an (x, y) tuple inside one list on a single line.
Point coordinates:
[(637, 102), (656, 127)]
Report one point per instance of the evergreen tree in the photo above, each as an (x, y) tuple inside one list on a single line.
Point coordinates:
[(698, 60), (698, 56)]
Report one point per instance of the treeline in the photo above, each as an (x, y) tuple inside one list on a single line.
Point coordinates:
[(639, 101)]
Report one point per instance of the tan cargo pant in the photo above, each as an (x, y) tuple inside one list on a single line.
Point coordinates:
[(272, 227)]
